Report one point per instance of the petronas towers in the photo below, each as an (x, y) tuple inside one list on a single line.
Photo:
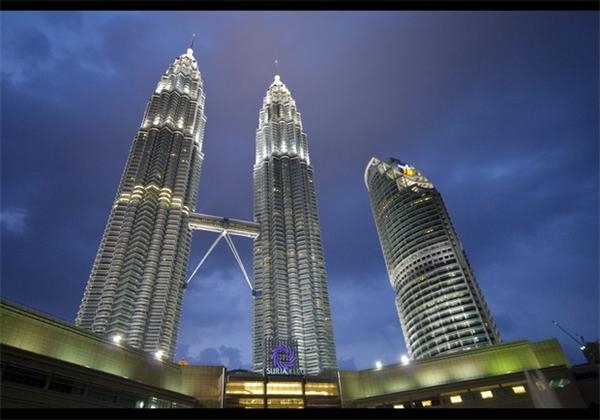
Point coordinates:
[(135, 291)]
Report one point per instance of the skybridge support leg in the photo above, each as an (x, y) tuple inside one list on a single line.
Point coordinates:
[(238, 259), (225, 234), (206, 255)]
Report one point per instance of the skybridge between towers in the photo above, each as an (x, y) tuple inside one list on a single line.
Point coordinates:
[(220, 224), (225, 227)]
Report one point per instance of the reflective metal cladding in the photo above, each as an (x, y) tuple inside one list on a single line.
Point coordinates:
[(288, 254), (136, 286)]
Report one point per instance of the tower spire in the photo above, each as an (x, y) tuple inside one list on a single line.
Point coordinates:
[(192, 42), (277, 78)]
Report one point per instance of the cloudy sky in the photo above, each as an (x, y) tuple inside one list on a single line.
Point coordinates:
[(499, 110)]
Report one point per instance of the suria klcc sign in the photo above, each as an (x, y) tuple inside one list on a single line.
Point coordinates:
[(283, 361)]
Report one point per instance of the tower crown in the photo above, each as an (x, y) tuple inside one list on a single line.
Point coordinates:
[(403, 173), (278, 92), (179, 98), (182, 76), (277, 82), (185, 64), (280, 125)]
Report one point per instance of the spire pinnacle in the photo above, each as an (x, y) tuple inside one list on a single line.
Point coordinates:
[(190, 51), (277, 78)]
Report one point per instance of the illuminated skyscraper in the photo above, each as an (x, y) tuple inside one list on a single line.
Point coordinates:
[(135, 290), (440, 305), (293, 311)]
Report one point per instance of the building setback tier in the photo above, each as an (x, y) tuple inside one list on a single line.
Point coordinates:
[(135, 290), (293, 315)]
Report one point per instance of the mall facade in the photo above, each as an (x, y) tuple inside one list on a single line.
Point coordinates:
[(50, 363)]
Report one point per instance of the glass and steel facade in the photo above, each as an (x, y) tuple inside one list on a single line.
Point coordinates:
[(135, 290), (439, 302), (289, 268)]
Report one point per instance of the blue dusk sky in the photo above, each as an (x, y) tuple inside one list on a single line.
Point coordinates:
[(498, 109)]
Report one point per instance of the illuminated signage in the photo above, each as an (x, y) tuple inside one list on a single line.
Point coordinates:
[(279, 371), (283, 356), (406, 168), (283, 361)]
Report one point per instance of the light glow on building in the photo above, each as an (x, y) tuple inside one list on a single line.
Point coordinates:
[(455, 399), (439, 303), (289, 267), (487, 394), (137, 280), (519, 389)]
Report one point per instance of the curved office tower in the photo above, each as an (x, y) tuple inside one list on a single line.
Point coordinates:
[(292, 317), (440, 305), (135, 290)]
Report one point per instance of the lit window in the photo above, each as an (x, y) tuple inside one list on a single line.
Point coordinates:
[(320, 389), (285, 403), (455, 399), (399, 406), (284, 388), (248, 387), (251, 402), (520, 389), (426, 403), (487, 394)]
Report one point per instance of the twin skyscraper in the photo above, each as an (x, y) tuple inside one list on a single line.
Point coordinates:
[(135, 291)]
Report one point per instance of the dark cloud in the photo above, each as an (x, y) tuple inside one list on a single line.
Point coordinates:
[(26, 51), (229, 357), (365, 320), (209, 356), (499, 110), (33, 46), (232, 356)]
